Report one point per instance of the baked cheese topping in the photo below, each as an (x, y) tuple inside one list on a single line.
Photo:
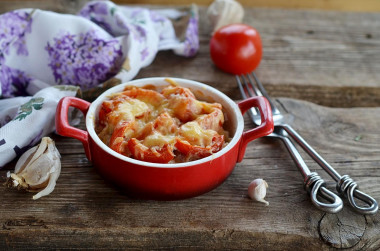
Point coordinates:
[(169, 126)]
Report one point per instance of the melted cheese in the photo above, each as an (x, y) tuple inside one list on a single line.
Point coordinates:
[(157, 139), (130, 109), (162, 120), (194, 133)]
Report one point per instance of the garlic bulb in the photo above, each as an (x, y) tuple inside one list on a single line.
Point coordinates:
[(224, 12), (257, 190), (37, 169)]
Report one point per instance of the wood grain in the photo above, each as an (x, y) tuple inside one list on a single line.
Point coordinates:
[(86, 211), (327, 58), (339, 5)]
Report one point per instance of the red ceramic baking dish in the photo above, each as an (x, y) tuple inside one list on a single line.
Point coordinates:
[(144, 180)]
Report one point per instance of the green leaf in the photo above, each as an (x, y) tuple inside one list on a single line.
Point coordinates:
[(112, 11), (21, 116), (27, 108), (37, 106)]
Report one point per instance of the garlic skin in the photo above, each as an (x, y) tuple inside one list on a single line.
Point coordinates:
[(37, 169), (224, 12), (257, 190)]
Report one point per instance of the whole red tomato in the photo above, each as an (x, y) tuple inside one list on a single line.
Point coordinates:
[(236, 48)]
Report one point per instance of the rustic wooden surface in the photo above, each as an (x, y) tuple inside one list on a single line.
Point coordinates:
[(327, 58), (340, 5), (84, 211), (335, 55)]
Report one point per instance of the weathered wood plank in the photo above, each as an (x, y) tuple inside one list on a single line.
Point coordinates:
[(86, 211), (340, 5), (326, 57)]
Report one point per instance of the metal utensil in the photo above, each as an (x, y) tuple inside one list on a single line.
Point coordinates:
[(249, 85)]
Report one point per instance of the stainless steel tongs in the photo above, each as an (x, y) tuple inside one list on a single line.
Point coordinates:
[(250, 86)]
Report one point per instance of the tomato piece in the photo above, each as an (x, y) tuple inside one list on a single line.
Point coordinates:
[(198, 151), (104, 110), (117, 137), (165, 124), (213, 120), (177, 90), (236, 48), (141, 152), (145, 131), (148, 96), (183, 102)]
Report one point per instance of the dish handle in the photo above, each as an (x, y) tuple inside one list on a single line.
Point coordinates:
[(264, 129), (62, 122)]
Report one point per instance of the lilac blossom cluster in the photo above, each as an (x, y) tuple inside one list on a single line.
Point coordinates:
[(97, 12), (13, 27), (191, 39), (84, 60), (13, 82), (120, 24)]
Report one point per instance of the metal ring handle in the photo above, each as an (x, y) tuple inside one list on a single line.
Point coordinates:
[(345, 185), (349, 188), (315, 185)]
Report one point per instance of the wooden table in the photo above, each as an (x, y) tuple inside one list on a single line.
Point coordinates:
[(324, 67)]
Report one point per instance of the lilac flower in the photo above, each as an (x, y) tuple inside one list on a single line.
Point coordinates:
[(13, 82), (140, 33), (191, 39), (144, 53), (14, 25), (100, 8), (84, 60), (155, 17), (97, 12)]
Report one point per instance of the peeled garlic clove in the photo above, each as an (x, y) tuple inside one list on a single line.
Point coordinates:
[(224, 12), (51, 185), (257, 190), (25, 159), (38, 169)]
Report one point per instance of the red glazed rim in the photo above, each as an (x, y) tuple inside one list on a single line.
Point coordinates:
[(202, 91)]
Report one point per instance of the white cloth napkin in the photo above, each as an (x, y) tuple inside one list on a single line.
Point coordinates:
[(40, 49), (31, 119)]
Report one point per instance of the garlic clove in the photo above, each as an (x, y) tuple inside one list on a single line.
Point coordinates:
[(25, 159), (257, 190), (224, 12), (42, 147), (51, 185), (37, 169)]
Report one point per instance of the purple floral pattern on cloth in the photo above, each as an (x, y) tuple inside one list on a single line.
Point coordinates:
[(40, 49), (98, 12), (84, 60), (14, 25), (191, 38), (146, 31), (13, 82)]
